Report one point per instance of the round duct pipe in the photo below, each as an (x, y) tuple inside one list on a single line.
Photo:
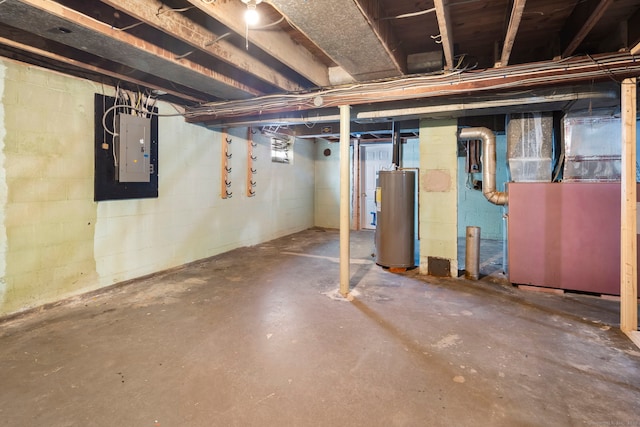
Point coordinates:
[(488, 163)]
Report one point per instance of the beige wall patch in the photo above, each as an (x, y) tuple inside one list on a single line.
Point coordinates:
[(436, 181)]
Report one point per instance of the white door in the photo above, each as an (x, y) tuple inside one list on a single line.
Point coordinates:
[(373, 157)]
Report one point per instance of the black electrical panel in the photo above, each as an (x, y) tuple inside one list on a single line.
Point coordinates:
[(106, 183)]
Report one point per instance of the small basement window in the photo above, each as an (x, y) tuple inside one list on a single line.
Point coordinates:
[(281, 150)]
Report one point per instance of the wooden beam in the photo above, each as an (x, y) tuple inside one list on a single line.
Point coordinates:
[(514, 23), (94, 69), (225, 182), (276, 43), (628, 238), (99, 38), (584, 17), (182, 28), (446, 33)]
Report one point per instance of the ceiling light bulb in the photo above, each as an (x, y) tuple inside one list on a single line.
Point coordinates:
[(251, 16)]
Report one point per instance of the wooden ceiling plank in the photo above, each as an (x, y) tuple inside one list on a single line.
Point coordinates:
[(276, 43), (93, 68), (182, 28), (577, 27), (191, 74), (446, 33), (512, 30)]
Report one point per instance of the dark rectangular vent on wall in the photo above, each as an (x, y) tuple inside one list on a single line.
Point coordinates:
[(108, 183), (438, 267)]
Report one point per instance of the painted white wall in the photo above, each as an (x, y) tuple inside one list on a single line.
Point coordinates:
[(59, 242), (3, 192), (49, 213), (327, 179), (189, 220), (473, 207)]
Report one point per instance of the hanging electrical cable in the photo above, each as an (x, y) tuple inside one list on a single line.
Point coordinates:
[(457, 81), (409, 15)]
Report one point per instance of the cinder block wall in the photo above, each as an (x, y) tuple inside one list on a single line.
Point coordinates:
[(438, 193), (55, 241), (473, 207)]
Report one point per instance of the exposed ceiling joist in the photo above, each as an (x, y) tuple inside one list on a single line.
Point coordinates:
[(71, 28), (95, 69), (514, 23), (199, 37), (277, 44), (584, 17), (446, 33), (346, 37), (633, 33)]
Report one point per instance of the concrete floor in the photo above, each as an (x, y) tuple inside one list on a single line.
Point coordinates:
[(257, 337)]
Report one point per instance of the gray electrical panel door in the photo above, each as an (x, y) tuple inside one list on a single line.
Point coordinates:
[(133, 148)]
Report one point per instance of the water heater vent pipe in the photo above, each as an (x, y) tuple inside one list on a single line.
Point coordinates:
[(488, 163)]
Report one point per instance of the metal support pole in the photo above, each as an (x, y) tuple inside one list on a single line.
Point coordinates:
[(345, 122), (472, 254), (396, 147)]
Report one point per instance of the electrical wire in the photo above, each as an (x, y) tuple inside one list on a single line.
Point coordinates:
[(158, 13), (444, 83), (183, 9), (409, 15), (128, 27), (207, 44), (117, 106), (217, 39), (267, 26)]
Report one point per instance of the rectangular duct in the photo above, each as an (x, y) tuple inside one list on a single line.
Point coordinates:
[(530, 146), (593, 148)]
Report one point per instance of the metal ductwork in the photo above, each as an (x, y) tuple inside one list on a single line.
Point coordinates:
[(488, 163)]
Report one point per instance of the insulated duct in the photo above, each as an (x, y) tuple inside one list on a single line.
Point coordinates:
[(488, 163)]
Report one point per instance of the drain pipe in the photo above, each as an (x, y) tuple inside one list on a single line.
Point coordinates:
[(488, 163), (472, 254)]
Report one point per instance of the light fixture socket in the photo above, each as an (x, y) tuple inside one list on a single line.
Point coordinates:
[(251, 16)]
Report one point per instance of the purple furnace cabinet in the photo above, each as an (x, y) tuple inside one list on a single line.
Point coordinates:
[(565, 235)]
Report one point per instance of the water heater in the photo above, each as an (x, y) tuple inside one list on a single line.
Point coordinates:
[(395, 230)]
